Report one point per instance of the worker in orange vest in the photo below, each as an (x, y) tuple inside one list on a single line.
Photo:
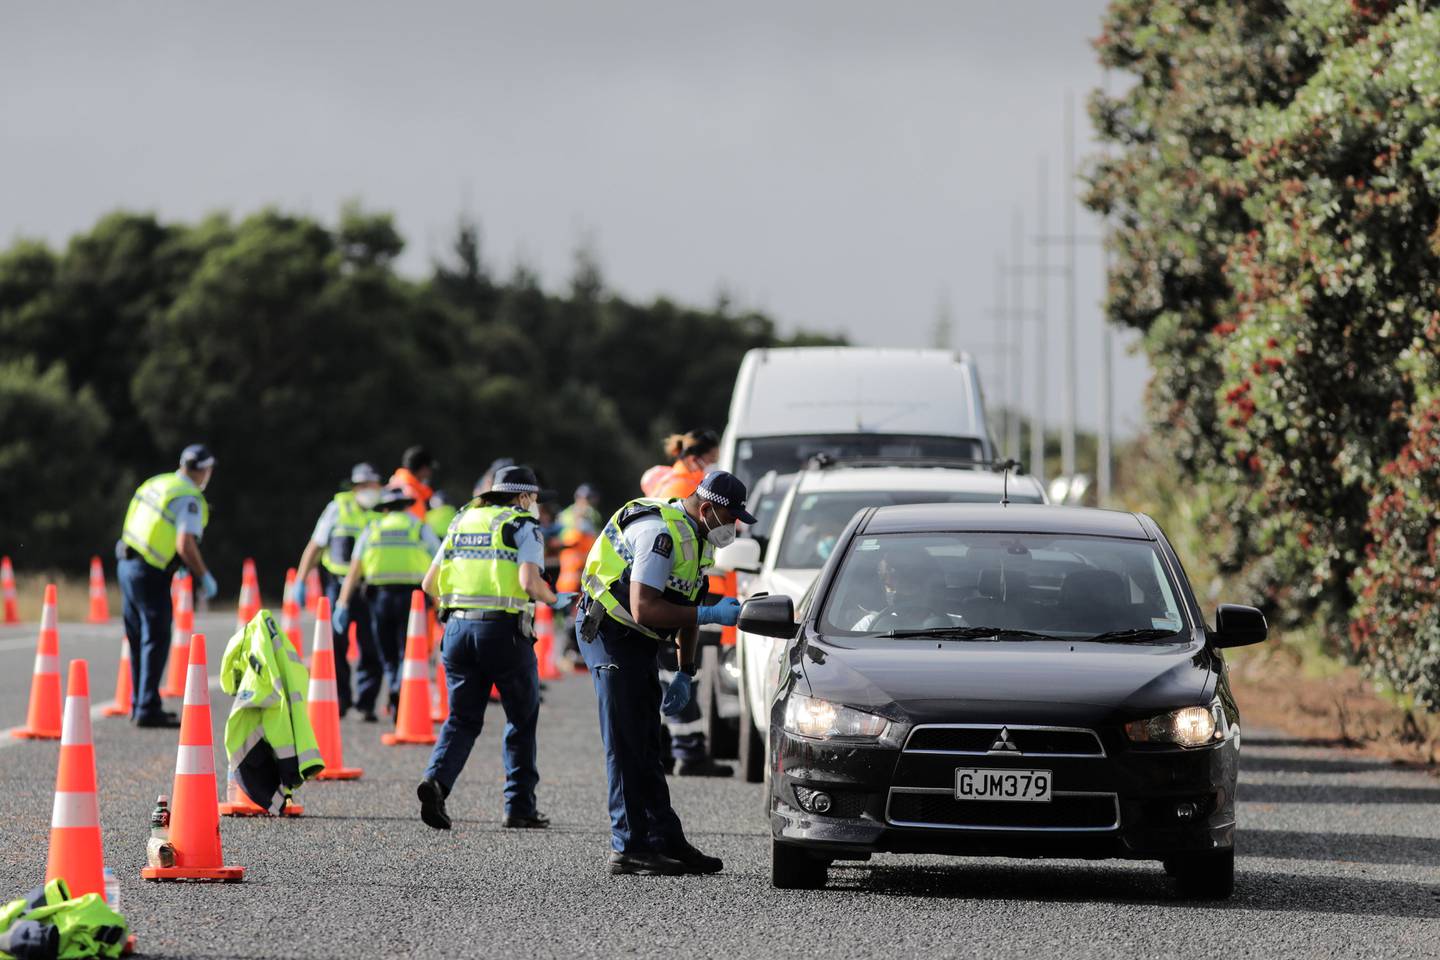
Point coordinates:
[(417, 467), (696, 454), (580, 524)]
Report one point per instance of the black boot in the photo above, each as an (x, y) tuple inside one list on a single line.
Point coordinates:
[(644, 864), (432, 805)]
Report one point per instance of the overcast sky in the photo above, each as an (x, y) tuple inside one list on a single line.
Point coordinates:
[(844, 166)]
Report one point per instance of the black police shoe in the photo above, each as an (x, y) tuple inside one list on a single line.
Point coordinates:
[(536, 821), (705, 767), (432, 805), (694, 860), (162, 719), (645, 864), (369, 717)]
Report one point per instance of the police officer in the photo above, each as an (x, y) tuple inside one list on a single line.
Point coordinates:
[(391, 558), (332, 546), (643, 582), (163, 526), (485, 577)]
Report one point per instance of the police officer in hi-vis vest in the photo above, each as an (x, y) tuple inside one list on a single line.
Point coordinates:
[(486, 577), (390, 558), (332, 547), (163, 526), (642, 586)]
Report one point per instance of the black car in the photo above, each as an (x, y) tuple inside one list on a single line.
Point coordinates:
[(1015, 681)]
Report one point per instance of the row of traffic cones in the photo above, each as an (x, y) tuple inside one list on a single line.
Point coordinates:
[(99, 597)]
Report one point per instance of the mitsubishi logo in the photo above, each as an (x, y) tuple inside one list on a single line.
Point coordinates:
[(1003, 744)]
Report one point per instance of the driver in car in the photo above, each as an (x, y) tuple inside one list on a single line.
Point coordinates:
[(914, 588)]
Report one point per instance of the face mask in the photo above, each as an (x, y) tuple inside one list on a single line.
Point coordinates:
[(367, 498), (711, 467), (721, 535)]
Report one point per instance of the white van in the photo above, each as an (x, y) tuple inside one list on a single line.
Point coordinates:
[(795, 402)]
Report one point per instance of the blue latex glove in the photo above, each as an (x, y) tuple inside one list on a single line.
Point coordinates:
[(724, 612), (208, 586), (678, 696), (299, 592), (564, 601), (340, 619)]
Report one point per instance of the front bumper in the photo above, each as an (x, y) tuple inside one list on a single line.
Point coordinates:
[(1125, 803)]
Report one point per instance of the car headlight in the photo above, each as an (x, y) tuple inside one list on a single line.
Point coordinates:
[(1188, 726), (823, 720)]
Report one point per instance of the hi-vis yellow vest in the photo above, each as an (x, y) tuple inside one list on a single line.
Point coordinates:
[(150, 521), (478, 569), (609, 561)]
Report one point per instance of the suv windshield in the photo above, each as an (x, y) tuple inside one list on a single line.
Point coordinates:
[(757, 456), (817, 519), (1070, 587)]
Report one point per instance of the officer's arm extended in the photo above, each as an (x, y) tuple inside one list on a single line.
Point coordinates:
[(189, 550)]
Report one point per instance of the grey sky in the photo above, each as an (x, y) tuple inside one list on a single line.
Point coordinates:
[(844, 166)]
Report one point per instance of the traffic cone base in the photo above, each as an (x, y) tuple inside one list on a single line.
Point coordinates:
[(230, 874), (399, 739), (239, 804), (344, 773)]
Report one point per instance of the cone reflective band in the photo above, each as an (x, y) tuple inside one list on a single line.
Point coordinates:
[(76, 852), (194, 821), (124, 700), (7, 590), (290, 612), (180, 630), (99, 600), (413, 723), (43, 719), (323, 703)]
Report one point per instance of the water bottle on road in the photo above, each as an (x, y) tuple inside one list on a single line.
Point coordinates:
[(112, 890), (159, 852)]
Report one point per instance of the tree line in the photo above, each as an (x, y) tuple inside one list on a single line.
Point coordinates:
[(1274, 189), (294, 348)]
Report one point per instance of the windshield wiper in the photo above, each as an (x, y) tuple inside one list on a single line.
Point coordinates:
[(970, 633), (1130, 636)]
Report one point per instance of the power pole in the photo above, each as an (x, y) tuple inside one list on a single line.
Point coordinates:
[(1067, 389), (1017, 358), (1042, 372), (1103, 455), (1002, 351)]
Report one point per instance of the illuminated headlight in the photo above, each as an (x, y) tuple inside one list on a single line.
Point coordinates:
[(822, 720), (1188, 726)]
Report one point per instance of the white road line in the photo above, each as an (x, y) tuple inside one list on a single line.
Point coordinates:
[(8, 741)]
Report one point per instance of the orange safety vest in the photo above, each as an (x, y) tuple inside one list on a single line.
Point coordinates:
[(412, 485), (680, 483), (651, 479)]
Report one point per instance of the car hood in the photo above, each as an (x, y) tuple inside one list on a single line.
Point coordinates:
[(982, 681)]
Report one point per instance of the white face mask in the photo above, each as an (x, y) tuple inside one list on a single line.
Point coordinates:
[(711, 467), (721, 535), (367, 497)]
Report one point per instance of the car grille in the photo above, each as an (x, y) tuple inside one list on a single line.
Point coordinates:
[(1029, 741), (917, 807)]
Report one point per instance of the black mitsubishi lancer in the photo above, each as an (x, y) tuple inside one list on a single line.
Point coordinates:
[(1011, 681)]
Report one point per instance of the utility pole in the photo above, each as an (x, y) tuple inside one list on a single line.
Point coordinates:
[(1067, 388), (1017, 358), (1042, 374), (1103, 455), (1002, 352)]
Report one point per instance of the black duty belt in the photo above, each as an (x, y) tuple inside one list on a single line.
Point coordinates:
[(483, 615)]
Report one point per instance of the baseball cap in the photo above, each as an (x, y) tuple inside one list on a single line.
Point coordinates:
[(364, 473), (516, 479), (197, 456), (725, 490)]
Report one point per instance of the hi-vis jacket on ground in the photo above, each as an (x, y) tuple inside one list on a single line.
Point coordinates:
[(268, 737), (50, 923)]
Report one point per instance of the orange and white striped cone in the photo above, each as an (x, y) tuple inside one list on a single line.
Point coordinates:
[(44, 717), (290, 612), (323, 700), (313, 590), (7, 591), (249, 603), (545, 641), (76, 852), (181, 628), (124, 701), (194, 821), (99, 599), (413, 723)]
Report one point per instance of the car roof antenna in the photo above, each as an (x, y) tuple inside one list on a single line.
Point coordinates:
[(1007, 466)]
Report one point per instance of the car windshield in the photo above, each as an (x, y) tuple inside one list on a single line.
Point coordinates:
[(756, 456), (983, 585), (817, 519)]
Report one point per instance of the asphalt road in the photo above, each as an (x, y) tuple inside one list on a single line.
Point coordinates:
[(1339, 856)]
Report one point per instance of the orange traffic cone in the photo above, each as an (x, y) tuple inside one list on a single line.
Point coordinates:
[(313, 590), (124, 690), (290, 612), (323, 701), (7, 590), (75, 849), (249, 604), (43, 721), (181, 627), (413, 724), (545, 641), (442, 695), (99, 600), (194, 823), (353, 652)]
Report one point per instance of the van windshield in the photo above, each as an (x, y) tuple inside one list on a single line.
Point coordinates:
[(757, 456)]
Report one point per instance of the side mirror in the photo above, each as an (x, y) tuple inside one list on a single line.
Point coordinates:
[(1237, 626), (771, 616), (742, 556)]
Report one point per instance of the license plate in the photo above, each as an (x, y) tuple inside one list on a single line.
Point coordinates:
[(1029, 786)]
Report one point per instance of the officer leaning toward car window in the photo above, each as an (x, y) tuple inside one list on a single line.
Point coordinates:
[(642, 586), (163, 526), (486, 575)]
